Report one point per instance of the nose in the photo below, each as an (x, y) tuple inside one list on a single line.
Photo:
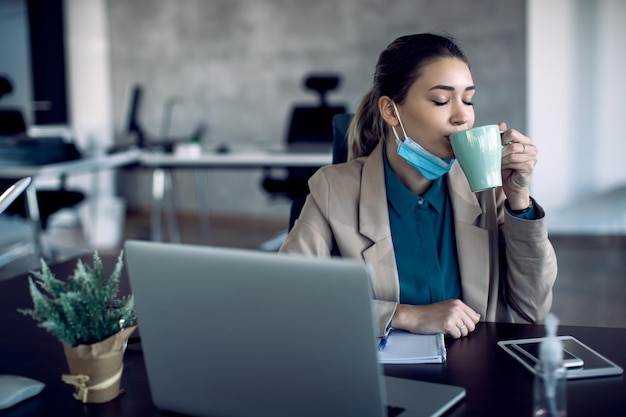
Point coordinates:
[(461, 114)]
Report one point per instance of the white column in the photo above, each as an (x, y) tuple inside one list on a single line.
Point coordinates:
[(89, 80), (575, 112)]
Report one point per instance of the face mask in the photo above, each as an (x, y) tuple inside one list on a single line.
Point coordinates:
[(430, 166)]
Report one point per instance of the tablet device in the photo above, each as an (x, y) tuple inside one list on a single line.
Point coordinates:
[(526, 352), (531, 351)]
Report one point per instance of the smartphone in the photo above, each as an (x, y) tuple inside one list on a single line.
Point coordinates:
[(531, 351)]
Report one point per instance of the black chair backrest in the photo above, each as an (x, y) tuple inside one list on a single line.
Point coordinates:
[(311, 125), (341, 123), (294, 212), (311, 130)]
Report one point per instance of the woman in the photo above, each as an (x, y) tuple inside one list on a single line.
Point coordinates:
[(442, 258)]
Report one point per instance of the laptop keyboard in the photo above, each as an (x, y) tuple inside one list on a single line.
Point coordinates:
[(394, 411)]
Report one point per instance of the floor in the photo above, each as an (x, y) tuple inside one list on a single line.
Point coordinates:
[(65, 239), (590, 289)]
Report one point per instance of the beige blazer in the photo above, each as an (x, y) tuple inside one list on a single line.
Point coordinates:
[(506, 263)]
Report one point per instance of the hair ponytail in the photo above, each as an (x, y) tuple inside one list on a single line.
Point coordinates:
[(366, 129)]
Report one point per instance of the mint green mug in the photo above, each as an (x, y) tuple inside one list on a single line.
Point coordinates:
[(479, 152)]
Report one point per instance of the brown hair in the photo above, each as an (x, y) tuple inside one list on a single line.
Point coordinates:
[(398, 67)]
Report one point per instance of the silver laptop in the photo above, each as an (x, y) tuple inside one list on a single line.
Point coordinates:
[(11, 193), (232, 332)]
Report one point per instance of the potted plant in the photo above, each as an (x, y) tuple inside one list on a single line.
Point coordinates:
[(92, 322)]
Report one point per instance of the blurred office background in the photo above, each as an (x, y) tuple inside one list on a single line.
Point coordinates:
[(552, 69)]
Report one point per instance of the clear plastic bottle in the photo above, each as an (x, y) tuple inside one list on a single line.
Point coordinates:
[(550, 389), (550, 392)]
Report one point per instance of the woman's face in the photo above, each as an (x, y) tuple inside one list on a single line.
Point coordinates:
[(438, 104)]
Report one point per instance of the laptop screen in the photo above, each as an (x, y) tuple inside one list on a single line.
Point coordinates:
[(238, 332)]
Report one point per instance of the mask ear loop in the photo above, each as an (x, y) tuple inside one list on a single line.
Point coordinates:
[(401, 126)]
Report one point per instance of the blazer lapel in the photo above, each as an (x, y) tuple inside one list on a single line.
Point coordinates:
[(373, 198), (374, 224)]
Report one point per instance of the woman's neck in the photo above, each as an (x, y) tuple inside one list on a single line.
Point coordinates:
[(409, 176)]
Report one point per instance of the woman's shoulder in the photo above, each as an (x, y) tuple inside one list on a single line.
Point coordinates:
[(336, 188), (344, 171)]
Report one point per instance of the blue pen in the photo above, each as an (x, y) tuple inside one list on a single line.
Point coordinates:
[(383, 341)]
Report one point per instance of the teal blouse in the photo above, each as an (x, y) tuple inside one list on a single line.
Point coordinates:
[(422, 232)]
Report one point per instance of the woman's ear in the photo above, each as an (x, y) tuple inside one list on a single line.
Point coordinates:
[(387, 110)]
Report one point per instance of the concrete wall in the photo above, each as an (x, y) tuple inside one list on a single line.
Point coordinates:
[(238, 65)]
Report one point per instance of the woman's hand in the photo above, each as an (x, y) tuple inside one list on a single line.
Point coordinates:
[(519, 158), (451, 317)]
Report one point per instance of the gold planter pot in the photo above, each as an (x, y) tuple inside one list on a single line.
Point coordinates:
[(96, 369)]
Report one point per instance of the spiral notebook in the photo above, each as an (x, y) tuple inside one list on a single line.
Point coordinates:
[(409, 348)]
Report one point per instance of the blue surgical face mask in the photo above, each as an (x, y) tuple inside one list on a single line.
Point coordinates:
[(430, 166)]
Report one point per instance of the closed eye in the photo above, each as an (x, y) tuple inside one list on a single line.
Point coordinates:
[(443, 103)]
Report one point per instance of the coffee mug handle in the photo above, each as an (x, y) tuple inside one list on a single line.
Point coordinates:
[(502, 133)]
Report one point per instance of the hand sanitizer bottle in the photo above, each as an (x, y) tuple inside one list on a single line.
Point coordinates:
[(550, 375)]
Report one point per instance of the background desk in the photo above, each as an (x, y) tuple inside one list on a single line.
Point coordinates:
[(162, 164), (77, 166), (260, 159), (62, 169), (496, 384)]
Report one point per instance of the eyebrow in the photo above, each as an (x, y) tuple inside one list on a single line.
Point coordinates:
[(450, 88)]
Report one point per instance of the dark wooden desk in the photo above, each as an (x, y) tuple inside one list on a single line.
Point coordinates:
[(496, 385)]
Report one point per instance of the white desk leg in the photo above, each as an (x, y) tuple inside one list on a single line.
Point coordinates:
[(162, 194), (35, 220), (158, 192), (172, 224), (202, 197)]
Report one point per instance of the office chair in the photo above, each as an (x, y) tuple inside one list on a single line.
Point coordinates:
[(341, 123), (24, 151), (310, 129), (18, 148), (11, 122)]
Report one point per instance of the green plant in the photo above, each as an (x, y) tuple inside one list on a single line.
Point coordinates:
[(85, 308)]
